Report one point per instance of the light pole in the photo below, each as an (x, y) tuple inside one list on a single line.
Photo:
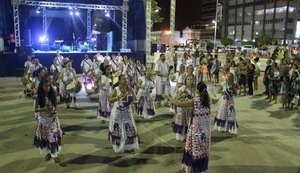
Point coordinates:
[(218, 18)]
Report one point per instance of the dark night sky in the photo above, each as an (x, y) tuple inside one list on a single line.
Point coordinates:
[(187, 11)]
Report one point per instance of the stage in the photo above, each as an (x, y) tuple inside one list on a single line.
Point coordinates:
[(12, 64)]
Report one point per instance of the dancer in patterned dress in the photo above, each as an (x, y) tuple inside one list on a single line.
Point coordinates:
[(196, 153), (226, 115), (48, 133), (146, 103), (122, 129), (104, 82), (182, 115)]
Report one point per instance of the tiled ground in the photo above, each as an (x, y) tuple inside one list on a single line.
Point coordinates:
[(268, 140)]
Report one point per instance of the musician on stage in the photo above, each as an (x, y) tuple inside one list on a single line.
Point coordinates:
[(67, 88)]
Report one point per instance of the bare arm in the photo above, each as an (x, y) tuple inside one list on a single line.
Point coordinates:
[(185, 104)]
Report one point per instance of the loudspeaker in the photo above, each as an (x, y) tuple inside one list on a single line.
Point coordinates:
[(66, 48), (153, 48), (83, 48)]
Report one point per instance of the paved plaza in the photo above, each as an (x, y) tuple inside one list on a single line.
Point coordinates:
[(268, 139)]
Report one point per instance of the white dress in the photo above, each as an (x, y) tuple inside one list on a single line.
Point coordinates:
[(122, 128), (104, 108), (146, 103)]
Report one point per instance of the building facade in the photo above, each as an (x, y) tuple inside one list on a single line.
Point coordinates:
[(180, 37), (243, 20)]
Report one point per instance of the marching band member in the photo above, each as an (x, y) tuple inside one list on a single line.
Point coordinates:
[(27, 64), (86, 67), (33, 67), (99, 57), (59, 59), (119, 58), (115, 64), (107, 57), (68, 77), (146, 103)]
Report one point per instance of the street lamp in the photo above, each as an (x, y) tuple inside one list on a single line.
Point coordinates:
[(218, 18)]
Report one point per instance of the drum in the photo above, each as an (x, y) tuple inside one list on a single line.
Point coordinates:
[(89, 74), (29, 86), (71, 87), (78, 87), (115, 80)]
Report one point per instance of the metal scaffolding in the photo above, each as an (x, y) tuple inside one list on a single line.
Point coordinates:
[(89, 23), (44, 22), (124, 24), (172, 25), (89, 7), (17, 25), (148, 29)]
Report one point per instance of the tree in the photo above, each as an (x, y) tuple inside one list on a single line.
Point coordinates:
[(209, 46), (227, 41), (155, 17), (155, 39), (264, 39), (248, 43)]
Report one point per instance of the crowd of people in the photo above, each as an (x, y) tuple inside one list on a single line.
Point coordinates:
[(127, 89)]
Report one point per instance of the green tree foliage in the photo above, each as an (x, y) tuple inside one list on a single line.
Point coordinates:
[(209, 46), (155, 17), (155, 39), (248, 43), (227, 41), (264, 39)]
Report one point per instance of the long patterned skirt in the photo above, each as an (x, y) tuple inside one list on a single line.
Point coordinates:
[(104, 108), (48, 135), (226, 116), (122, 130)]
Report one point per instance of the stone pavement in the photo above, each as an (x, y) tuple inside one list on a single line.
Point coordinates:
[(268, 139)]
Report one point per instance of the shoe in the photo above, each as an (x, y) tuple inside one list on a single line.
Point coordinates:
[(56, 159), (47, 157)]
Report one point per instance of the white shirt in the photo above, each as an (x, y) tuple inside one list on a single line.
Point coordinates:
[(163, 68), (86, 65)]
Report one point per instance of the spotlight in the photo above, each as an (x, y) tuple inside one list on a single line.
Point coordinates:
[(106, 13), (71, 13), (38, 10), (77, 13), (43, 39)]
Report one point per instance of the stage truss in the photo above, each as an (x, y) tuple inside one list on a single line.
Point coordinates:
[(88, 7)]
